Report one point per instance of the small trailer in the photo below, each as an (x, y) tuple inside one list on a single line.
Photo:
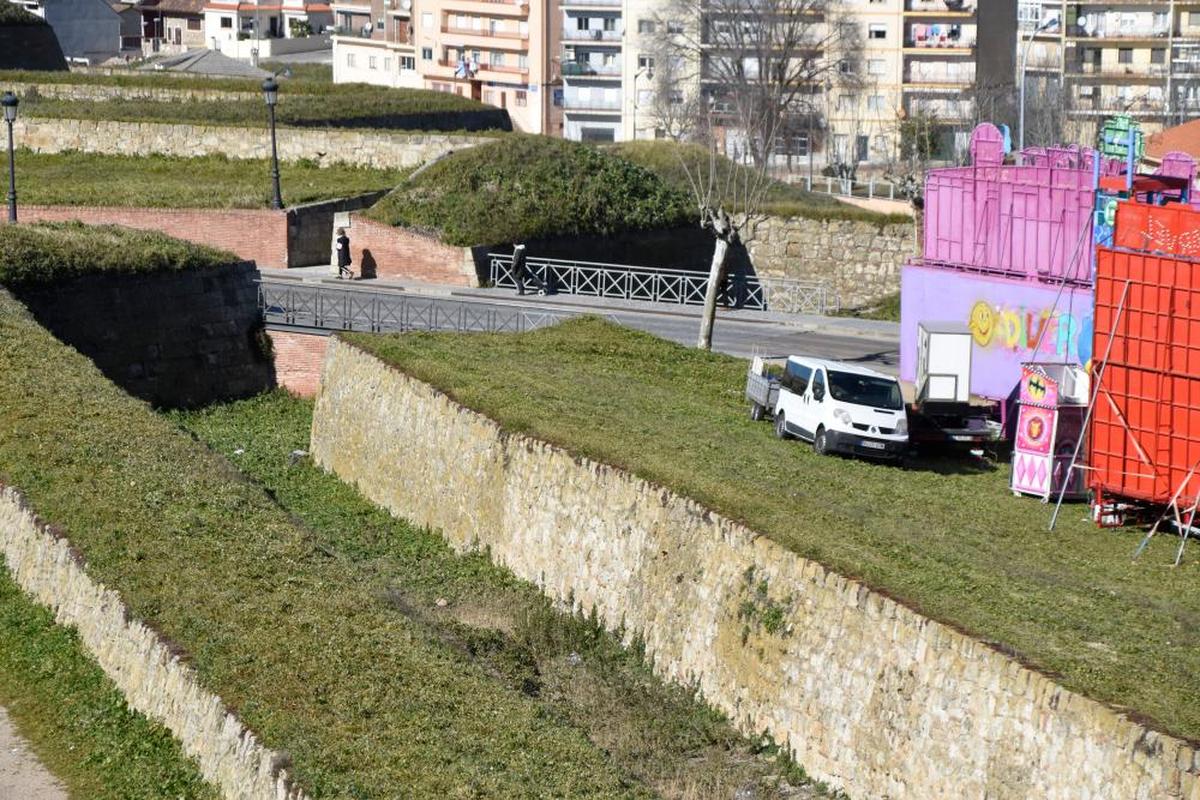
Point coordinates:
[(942, 412), (762, 390)]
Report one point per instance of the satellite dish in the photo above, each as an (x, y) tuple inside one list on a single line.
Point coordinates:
[(1085, 23), (406, 4)]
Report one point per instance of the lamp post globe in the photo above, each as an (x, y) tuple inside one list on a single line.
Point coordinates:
[(9, 103), (271, 95)]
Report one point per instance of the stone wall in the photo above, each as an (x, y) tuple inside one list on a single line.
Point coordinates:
[(147, 670), (174, 339), (366, 148), (310, 228), (860, 261), (867, 694), (384, 251)]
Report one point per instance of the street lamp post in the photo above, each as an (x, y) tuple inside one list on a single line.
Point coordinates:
[(1041, 26), (9, 102), (636, 75), (271, 92)]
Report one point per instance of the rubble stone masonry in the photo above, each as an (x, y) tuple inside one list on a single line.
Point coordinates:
[(866, 693)]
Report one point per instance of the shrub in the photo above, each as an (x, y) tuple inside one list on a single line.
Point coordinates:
[(532, 187)]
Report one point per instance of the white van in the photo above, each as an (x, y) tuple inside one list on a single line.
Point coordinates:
[(841, 408)]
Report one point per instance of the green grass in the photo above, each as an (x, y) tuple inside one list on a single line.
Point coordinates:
[(306, 630), (946, 537), (76, 720), (87, 179), (672, 162), (887, 309), (301, 74), (575, 672), (531, 187), (12, 14), (406, 110), (49, 252)]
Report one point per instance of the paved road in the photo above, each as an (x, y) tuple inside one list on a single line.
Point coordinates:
[(740, 333), (21, 774)]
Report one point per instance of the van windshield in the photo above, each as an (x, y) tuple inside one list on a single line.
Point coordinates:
[(864, 390)]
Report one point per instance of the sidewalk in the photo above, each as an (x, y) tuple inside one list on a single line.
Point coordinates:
[(845, 326)]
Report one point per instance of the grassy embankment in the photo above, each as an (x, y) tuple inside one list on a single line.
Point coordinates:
[(947, 538), (91, 179), (316, 616)]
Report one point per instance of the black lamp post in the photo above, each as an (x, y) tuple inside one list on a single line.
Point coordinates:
[(271, 92), (9, 102)]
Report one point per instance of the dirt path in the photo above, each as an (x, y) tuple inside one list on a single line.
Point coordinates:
[(21, 774)]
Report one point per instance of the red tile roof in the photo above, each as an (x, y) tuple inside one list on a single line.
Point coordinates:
[(1184, 138)]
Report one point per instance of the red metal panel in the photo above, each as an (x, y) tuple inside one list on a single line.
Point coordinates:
[(1173, 228), (1145, 437)]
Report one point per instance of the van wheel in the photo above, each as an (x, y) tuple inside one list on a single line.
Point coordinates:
[(821, 442), (756, 412), (781, 426)]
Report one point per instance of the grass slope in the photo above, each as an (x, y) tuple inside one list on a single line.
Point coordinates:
[(658, 734), (296, 628), (949, 539), (672, 162), (92, 179), (531, 187), (49, 252), (76, 720)]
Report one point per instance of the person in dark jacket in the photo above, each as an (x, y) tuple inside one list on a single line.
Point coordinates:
[(343, 255)]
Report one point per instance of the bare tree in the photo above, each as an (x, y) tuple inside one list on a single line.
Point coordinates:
[(729, 198), (759, 61), (918, 143), (673, 103)]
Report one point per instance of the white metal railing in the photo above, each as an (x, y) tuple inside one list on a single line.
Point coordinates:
[(648, 284), (584, 104), (844, 187)]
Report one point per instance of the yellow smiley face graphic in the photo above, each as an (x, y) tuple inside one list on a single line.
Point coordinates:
[(982, 323)]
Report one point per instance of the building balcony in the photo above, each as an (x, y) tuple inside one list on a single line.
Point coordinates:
[(492, 8), (576, 69), (1130, 72), (598, 105), (604, 37), (1148, 33), (469, 37), (954, 83), (940, 9), (584, 4), (486, 72)]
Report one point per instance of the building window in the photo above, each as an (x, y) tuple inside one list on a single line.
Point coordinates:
[(646, 26), (496, 59), (523, 28), (1125, 55), (193, 25), (841, 146), (372, 62), (883, 145), (488, 97), (427, 21), (847, 102), (675, 97), (876, 66), (875, 102), (581, 23), (350, 60), (877, 31), (845, 67), (646, 63), (1158, 56), (610, 23), (427, 54), (520, 98), (523, 61), (408, 62), (674, 27), (227, 22), (387, 65), (1193, 19)]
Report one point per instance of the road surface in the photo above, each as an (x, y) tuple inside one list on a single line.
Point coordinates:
[(21, 774)]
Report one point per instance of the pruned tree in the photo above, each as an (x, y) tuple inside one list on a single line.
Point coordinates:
[(918, 134), (759, 61), (729, 198), (672, 102)]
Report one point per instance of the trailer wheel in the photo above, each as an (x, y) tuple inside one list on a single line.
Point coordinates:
[(781, 426), (757, 412), (821, 442)]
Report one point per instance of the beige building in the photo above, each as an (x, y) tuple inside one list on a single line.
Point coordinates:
[(497, 52), (1140, 58)]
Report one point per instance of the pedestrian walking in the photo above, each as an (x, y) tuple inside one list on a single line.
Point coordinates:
[(343, 255)]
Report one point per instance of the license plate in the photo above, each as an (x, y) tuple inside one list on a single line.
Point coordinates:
[(873, 445), (962, 438)]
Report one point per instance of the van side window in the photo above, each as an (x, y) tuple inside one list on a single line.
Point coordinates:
[(818, 385), (796, 377)]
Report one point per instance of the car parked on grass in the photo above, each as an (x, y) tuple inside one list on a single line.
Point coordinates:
[(839, 407)]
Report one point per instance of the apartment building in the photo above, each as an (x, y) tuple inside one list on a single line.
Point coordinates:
[(1137, 57), (494, 51), (253, 29)]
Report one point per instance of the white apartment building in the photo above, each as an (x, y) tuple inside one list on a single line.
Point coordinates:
[(254, 29), (373, 43)]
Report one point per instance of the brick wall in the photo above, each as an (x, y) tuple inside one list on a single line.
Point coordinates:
[(258, 235), (298, 360), (383, 251)]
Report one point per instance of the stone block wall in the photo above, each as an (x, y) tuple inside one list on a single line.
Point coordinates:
[(146, 669), (860, 261), (174, 339), (383, 251), (365, 148), (865, 693), (298, 360), (310, 228)]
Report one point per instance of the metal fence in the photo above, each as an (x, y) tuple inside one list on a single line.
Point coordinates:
[(844, 187), (648, 284), (335, 308)]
